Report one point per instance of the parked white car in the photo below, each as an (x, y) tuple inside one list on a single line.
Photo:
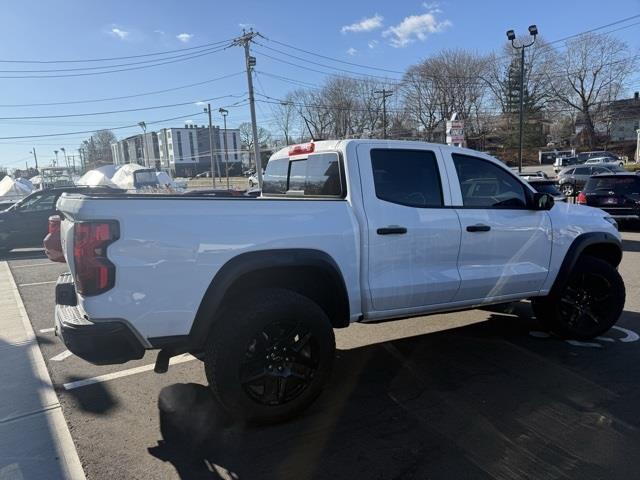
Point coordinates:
[(604, 161), (344, 231)]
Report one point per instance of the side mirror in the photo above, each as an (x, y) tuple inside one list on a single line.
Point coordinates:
[(542, 201)]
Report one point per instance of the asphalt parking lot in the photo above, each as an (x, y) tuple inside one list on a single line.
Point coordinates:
[(493, 398)]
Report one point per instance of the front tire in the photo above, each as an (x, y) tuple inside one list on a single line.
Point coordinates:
[(568, 189), (269, 356), (588, 305)]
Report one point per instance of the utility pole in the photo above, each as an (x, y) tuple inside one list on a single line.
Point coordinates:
[(224, 114), (35, 157), (385, 94), (250, 62), (213, 168)]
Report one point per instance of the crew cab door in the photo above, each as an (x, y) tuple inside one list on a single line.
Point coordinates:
[(506, 245), (412, 238)]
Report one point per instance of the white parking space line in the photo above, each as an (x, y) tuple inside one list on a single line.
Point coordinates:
[(61, 356), (36, 265), (36, 283), (47, 330), (124, 373)]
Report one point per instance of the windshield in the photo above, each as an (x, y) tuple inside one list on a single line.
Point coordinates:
[(549, 188)]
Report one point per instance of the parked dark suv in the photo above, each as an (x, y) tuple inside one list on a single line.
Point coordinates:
[(618, 194), (572, 179)]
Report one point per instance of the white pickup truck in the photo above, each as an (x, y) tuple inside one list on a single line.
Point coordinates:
[(344, 231)]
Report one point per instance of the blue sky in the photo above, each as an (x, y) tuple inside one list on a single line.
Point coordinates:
[(387, 34)]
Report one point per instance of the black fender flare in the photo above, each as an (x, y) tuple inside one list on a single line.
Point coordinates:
[(579, 245), (254, 261)]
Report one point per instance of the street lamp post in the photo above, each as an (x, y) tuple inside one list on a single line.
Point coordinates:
[(143, 126), (533, 32), (56, 152), (35, 157), (64, 152), (207, 110), (224, 114)]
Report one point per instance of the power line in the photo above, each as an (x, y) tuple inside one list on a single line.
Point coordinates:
[(90, 114), (370, 67), (181, 117), (124, 97), (88, 60), (103, 67), (66, 75)]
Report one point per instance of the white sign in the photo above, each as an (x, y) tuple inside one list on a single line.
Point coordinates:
[(455, 132)]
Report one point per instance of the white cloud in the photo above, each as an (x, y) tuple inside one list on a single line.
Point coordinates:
[(351, 51), (372, 44), (159, 32), (188, 122), (185, 37), (119, 33), (245, 25), (364, 25), (414, 27), (201, 103)]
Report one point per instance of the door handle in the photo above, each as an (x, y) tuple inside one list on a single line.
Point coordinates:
[(392, 231), (478, 228)]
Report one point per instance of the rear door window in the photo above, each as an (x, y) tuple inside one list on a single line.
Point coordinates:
[(582, 171), (407, 177)]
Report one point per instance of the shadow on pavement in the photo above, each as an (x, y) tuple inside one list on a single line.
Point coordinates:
[(94, 398), (630, 245), (32, 254), (484, 401)]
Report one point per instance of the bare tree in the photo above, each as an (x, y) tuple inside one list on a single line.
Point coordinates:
[(246, 136), (591, 73), (284, 115), (97, 149), (452, 81)]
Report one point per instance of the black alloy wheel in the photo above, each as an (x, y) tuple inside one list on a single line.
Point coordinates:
[(280, 363)]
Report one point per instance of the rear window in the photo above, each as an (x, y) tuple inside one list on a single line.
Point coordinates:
[(145, 177), (620, 185), (317, 175)]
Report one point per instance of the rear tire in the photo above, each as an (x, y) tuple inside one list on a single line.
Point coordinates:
[(588, 305), (269, 356)]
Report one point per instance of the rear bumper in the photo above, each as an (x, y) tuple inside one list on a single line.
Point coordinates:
[(622, 213), (103, 342)]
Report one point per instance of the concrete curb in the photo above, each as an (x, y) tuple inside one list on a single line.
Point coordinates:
[(66, 453)]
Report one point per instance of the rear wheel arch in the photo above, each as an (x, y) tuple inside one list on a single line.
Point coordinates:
[(309, 272)]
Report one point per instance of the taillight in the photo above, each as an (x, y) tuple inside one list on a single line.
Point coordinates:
[(94, 273), (582, 198), (301, 149), (54, 224)]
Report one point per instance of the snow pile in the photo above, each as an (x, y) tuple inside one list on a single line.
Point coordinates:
[(11, 189), (123, 178), (95, 177)]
